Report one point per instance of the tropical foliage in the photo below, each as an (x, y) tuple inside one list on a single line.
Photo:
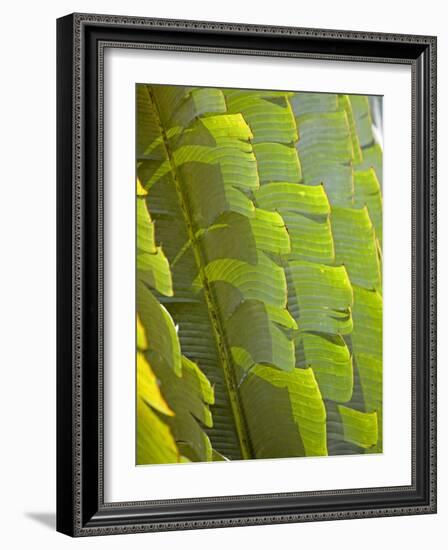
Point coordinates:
[(259, 301)]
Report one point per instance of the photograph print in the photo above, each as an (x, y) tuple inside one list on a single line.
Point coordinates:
[(258, 274)]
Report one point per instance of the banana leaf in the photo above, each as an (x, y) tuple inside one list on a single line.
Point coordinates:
[(259, 234)]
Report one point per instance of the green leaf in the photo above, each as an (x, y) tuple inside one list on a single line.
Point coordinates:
[(359, 428), (368, 193), (264, 281), (190, 311), (182, 396), (296, 398), (270, 118), (324, 297), (363, 120), (155, 441), (326, 151), (367, 342), (355, 242), (345, 103), (199, 101), (260, 215), (172, 393), (293, 197), (157, 321), (162, 431), (277, 162), (257, 330), (305, 212), (189, 397), (311, 239), (303, 103), (152, 265), (225, 254), (373, 158), (324, 135), (330, 359), (148, 386), (356, 247)]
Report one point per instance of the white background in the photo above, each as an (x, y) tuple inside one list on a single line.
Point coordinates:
[(27, 290), (125, 482)]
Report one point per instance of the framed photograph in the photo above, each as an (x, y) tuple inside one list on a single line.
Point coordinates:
[(246, 274)]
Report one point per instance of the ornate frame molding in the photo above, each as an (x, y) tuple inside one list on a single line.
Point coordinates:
[(81, 42)]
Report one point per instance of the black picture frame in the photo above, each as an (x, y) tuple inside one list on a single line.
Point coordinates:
[(81, 39)]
